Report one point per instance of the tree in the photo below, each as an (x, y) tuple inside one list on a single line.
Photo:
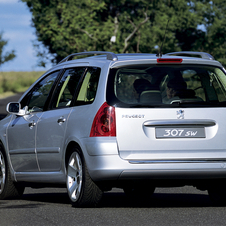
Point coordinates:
[(215, 24), (68, 26), (8, 55), (121, 26)]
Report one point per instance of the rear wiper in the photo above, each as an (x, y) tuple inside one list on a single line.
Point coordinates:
[(187, 101)]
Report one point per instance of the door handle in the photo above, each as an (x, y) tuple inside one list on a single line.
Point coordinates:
[(61, 120), (32, 124)]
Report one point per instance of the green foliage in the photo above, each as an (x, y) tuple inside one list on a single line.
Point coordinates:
[(69, 26), (16, 82), (216, 30), (8, 55)]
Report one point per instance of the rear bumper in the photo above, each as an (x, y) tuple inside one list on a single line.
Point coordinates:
[(114, 168), (104, 163)]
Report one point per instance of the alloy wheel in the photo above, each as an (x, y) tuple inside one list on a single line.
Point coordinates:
[(2, 172), (74, 176)]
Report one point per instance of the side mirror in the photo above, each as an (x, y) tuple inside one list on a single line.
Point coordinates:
[(15, 108)]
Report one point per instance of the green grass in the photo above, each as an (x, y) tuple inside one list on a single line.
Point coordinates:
[(15, 82)]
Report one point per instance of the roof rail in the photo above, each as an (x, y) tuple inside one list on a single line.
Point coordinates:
[(110, 55), (190, 54)]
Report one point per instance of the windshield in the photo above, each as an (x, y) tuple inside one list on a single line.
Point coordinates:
[(167, 86)]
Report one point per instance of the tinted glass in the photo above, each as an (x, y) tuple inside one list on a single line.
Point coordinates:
[(167, 86), (87, 92), (39, 94), (66, 88)]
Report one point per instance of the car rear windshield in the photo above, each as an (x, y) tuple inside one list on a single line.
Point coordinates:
[(167, 86)]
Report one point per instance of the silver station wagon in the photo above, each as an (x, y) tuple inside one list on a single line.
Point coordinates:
[(100, 120)]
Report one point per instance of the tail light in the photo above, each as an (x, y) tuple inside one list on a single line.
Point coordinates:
[(104, 122)]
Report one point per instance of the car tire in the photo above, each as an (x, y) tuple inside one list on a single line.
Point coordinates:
[(8, 188), (82, 191)]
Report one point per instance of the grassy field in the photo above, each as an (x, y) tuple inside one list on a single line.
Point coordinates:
[(17, 81)]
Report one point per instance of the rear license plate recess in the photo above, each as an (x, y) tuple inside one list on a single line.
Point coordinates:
[(179, 132)]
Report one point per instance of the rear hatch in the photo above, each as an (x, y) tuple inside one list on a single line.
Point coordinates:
[(170, 112), (158, 134)]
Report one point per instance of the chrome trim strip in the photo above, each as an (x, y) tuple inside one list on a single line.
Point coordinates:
[(180, 122), (177, 161)]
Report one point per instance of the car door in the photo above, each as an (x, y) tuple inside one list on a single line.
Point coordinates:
[(21, 142), (21, 131), (53, 123)]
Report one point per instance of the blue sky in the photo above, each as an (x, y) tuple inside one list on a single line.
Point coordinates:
[(15, 22)]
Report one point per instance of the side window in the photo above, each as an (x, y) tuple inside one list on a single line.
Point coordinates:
[(220, 84), (66, 87), (88, 89), (36, 99)]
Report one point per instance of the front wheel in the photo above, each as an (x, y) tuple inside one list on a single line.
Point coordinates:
[(82, 191), (8, 189)]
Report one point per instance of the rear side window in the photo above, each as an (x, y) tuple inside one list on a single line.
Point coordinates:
[(67, 87), (167, 86), (87, 92)]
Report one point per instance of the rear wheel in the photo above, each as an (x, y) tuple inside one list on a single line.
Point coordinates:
[(8, 189), (81, 189)]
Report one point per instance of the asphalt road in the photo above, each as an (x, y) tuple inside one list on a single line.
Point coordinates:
[(168, 206)]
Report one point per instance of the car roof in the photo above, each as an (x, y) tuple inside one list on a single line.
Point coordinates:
[(100, 58)]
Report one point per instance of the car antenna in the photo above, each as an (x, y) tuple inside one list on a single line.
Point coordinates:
[(159, 54)]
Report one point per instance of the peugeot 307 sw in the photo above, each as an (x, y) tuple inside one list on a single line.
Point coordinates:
[(130, 121)]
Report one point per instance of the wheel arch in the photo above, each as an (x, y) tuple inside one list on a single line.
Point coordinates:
[(89, 193), (4, 149), (69, 150), (72, 143)]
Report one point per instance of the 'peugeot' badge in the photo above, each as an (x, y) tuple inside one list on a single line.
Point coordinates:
[(180, 114)]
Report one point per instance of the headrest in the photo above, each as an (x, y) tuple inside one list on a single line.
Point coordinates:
[(151, 97)]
